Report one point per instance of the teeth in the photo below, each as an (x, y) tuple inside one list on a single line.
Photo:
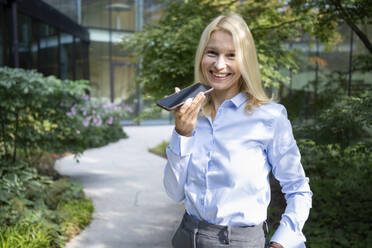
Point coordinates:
[(220, 75)]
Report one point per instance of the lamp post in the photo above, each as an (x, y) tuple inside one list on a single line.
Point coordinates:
[(139, 86), (118, 7)]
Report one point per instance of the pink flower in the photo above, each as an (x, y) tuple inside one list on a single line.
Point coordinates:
[(73, 110), (128, 108), (87, 121), (99, 121), (109, 121)]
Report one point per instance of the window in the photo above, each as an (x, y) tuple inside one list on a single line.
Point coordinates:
[(81, 58), (28, 46), (48, 50), (4, 48), (67, 56), (97, 14), (100, 69)]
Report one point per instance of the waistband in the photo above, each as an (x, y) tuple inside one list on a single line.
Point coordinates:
[(228, 233)]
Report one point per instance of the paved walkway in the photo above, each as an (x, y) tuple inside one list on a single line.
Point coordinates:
[(125, 182)]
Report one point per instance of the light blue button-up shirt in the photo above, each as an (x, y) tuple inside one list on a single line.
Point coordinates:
[(222, 171)]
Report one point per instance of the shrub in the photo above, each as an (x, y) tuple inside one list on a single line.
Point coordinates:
[(347, 121), (340, 179), (27, 236), (96, 122), (76, 215), (40, 115), (48, 114), (33, 111), (336, 151), (36, 211)]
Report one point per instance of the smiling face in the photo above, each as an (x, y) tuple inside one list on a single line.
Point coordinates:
[(220, 66)]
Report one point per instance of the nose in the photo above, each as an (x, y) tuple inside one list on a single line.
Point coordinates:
[(220, 63)]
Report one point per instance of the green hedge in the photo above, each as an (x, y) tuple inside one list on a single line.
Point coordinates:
[(340, 179), (33, 110), (49, 114), (336, 149)]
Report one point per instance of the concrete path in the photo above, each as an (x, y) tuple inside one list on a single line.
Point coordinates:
[(125, 182)]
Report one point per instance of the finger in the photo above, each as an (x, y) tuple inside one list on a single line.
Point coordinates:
[(200, 99), (192, 105), (185, 107), (196, 105), (177, 90), (201, 96)]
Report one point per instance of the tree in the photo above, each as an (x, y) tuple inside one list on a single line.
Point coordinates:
[(167, 48), (351, 12)]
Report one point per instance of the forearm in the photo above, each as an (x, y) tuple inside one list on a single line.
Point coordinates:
[(175, 176), (175, 172), (289, 233)]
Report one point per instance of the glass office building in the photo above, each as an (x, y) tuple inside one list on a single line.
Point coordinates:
[(77, 39), (112, 74), (33, 35)]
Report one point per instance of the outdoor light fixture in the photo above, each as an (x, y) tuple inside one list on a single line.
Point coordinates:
[(118, 7)]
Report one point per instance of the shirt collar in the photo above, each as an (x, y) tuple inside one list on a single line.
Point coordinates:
[(239, 99)]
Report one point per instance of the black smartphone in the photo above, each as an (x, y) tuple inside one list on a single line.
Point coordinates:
[(177, 99)]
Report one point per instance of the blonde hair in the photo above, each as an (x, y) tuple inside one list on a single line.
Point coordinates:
[(245, 53)]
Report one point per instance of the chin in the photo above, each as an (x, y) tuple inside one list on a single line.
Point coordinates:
[(220, 85)]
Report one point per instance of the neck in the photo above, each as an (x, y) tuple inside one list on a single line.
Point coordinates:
[(219, 97)]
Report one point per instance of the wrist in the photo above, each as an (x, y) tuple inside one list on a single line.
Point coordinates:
[(187, 134)]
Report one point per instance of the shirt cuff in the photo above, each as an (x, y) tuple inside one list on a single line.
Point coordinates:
[(181, 145), (285, 236)]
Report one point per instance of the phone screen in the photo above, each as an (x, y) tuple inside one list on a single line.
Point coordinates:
[(177, 99)]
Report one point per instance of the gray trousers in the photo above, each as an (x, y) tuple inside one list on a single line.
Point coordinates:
[(193, 233)]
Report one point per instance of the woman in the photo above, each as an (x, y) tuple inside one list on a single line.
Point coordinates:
[(219, 162)]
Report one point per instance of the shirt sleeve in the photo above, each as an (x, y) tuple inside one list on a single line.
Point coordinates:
[(284, 157), (175, 172)]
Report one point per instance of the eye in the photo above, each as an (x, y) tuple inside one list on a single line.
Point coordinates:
[(211, 53), (231, 55)]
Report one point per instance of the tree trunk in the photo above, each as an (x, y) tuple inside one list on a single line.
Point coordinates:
[(15, 139), (345, 16)]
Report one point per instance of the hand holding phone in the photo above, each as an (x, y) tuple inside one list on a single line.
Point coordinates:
[(185, 116), (177, 99)]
